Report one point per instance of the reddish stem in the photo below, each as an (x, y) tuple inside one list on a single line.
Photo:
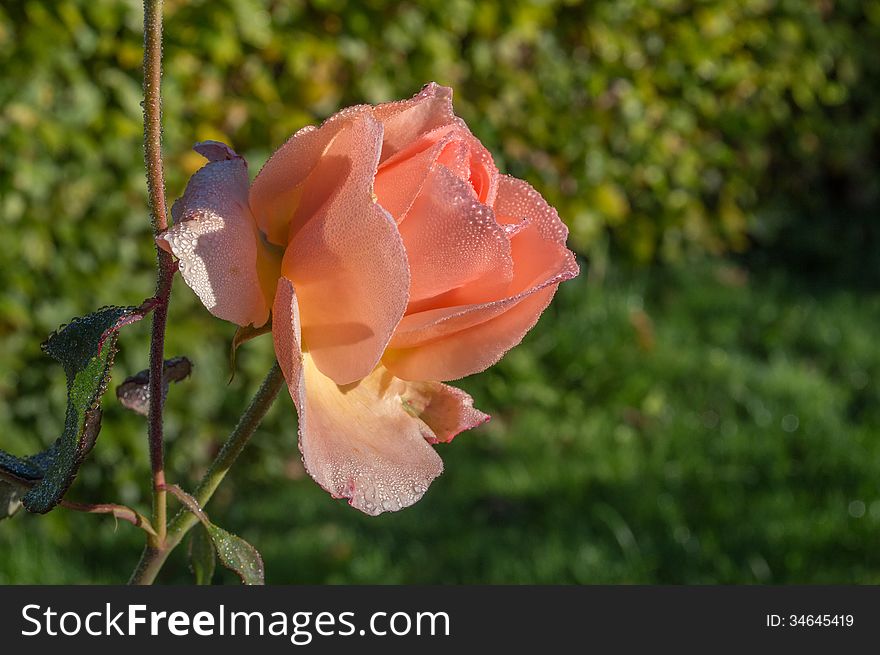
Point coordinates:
[(165, 264)]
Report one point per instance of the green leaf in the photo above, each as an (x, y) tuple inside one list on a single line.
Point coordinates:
[(26, 471), (238, 555), (201, 555), (85, 349), (234, 552)]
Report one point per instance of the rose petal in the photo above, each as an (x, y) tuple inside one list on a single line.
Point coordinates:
[(471, 350), (287, 336), (358, 441), (215, 240), (518, 200), (446, 410), (406, 120), (276, 192), (539, 265), (401, 178), (452, 239), (347, 261), (465, 337)]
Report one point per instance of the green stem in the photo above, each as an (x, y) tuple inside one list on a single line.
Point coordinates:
[(154, 556)]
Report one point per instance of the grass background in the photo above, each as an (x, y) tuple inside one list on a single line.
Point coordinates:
[(701, 405)]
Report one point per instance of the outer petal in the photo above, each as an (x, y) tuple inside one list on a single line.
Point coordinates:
[(452, 239), (518, 200), (462, 352), (215, 239), (347, 260), (407, 120), (364, 441), (276, 193), (463, 337), (446, 410)]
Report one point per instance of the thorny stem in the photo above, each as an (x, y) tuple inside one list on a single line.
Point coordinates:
[(165, 264), (166, 538), (154, 555)]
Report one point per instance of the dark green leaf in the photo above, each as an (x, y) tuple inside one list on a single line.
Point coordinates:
[(85, 349), (238, 555), (201, 555), (27, 471)]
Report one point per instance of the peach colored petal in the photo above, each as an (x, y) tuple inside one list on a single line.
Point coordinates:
[(539, 264), (287, 337), (347, 261), (359, 441), (214, 238), (401, 177), (453, 342), (483, 175), (452, 239), (517, 199), (407, 120), (473, 349), (446, 410), (276, 192), (461, 337)]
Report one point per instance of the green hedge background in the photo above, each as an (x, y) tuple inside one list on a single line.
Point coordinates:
[(701, 405)]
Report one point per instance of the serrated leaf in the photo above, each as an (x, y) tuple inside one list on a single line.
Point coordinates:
[(238, 555), (234, 552), (85, 349), (134, 392), (202, 559)]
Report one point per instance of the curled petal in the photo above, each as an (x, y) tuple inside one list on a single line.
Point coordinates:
[(446, 410), (407, 120), (277, 192), (347, 261), (369, 441), (518, 200), (214, 238), (402, 177), (462, 352), (287, 337), (452, 239), (461, 337)]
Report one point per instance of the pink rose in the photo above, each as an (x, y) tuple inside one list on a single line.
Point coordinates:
[(392, 255)]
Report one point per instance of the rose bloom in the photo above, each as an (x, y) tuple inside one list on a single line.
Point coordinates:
[(391, 255)]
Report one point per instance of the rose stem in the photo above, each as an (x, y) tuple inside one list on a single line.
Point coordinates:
[(153, 557), (164, 263)]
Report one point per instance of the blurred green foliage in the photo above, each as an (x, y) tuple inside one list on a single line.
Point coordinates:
[(708, 426), (657, 127), (665, 121)]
